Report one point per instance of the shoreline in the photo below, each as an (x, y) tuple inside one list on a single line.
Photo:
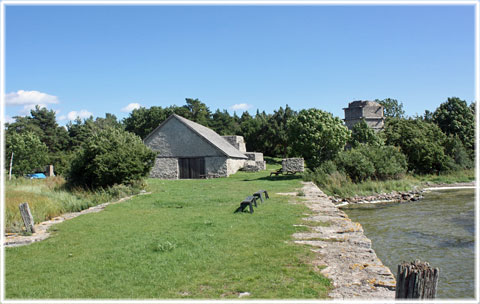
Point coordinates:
[(342, 252), (400, 196)]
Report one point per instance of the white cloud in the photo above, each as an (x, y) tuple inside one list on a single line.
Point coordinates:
[(63, 117), (9, 119), (130, 107), (240, 106), (28, 107), (72, 115), (22, 97)]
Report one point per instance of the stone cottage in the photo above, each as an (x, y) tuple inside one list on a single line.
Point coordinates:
[(186, 149), (371, 111)]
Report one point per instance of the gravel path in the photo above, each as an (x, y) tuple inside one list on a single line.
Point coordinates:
[(343, 253)]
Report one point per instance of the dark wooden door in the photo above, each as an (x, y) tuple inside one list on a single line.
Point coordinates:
[(192, 167)]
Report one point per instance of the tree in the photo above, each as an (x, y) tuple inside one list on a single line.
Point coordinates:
[(455, 118), (111, 156), (277, 131), (142, 121), (198, 111), (363, 134), (317, 136), (29, 152), (224, 124), (392, 108), (421, 142), (43, 123)]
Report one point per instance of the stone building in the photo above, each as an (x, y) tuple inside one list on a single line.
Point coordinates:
[(186, 149), (370, 111)]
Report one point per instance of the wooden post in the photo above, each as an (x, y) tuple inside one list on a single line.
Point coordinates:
[(27, 217), (10, 171), (416, 280)]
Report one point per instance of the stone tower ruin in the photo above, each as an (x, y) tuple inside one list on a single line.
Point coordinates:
[(370, 111)]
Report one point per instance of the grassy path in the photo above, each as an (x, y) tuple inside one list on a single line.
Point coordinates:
[(181, 241)]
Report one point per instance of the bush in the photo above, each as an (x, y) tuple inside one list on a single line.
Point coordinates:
[(355, 164), (110, 156), (421, 142), (388, 161)]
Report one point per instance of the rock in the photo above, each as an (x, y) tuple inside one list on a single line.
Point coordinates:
[(243, 294)]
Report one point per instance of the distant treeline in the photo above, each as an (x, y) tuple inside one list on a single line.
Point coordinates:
[(437, 141)]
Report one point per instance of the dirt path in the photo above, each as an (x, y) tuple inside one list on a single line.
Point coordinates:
[(345, 252), (41, 229)]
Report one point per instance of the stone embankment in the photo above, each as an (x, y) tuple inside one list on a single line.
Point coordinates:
[(343, 253), (42, 229)]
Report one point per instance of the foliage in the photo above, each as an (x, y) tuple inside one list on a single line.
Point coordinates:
[(111, 156), (277, 132), (355, 164), (317, 136), (455, 149), (41, 122), (392, 108), (421, 142), (48, 198), (363, 134), (455, 118), (29, 153), (388, 161)]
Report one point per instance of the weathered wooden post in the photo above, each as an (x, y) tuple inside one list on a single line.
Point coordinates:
[(416, 280), (27, 217)]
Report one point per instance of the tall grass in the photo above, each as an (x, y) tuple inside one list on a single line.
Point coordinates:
[(338, 184), (48, 198)]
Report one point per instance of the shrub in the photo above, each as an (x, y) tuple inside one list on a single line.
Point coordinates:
[(355, 164), (110, 156), (388, 161), (363, 134), (421, 142)]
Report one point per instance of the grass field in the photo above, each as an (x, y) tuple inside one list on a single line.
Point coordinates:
[(181, 241), (48, 198)]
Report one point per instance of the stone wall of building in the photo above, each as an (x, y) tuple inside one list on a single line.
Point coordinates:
[(370, 111), (237, 141), (165, 168), (293, 165)]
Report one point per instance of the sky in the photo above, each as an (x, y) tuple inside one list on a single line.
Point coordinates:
[(92, 60)]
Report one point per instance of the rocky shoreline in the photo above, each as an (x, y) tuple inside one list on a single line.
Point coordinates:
[(396, 196)]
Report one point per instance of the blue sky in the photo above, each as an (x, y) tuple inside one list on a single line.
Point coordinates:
[(82, 60)]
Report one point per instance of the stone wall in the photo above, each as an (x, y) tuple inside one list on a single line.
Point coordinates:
[(370, 111), (233, 165), (292, 165), (255, 162), (237, 141), (216, 166), (165, 168)]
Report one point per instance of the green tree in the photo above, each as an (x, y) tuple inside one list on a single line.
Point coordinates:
[(142, 121), (392, 108), (421, 142), (29, 153), (198, 111), (277, 131), (455, 118), (363, 134), (111, 156), (317, 136)]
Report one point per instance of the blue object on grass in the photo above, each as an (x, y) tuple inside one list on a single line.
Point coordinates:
[(36, 175)]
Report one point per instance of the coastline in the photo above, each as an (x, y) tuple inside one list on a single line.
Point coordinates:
[(342, 252), (400, 196)]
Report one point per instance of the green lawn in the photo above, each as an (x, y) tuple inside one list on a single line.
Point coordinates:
[(181, 241)]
